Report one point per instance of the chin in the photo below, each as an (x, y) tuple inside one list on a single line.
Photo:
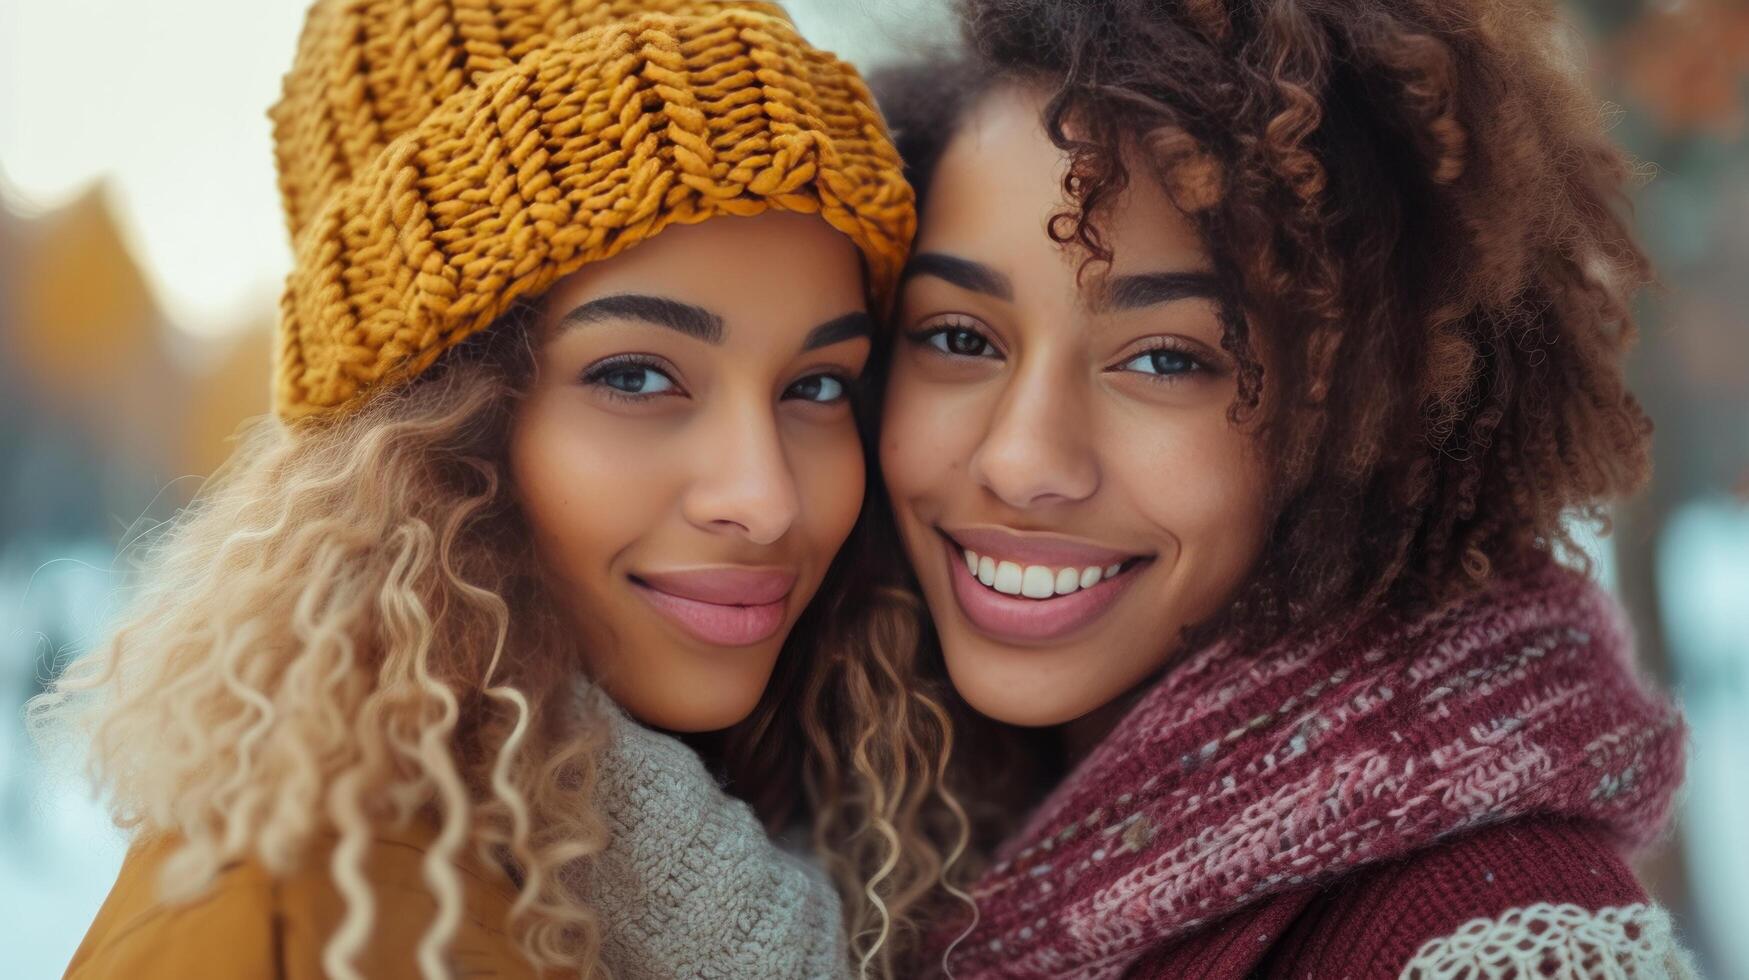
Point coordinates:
[(990, 691), (687, 717), (693, 705)]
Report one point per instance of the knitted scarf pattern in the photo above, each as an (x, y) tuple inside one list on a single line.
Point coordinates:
[(1246, 773), (690, 885)]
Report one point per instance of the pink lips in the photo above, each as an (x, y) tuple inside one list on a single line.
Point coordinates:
[(728, 607), (1022, 621)]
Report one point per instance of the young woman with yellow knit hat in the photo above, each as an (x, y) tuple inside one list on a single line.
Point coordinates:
[(563, 456)]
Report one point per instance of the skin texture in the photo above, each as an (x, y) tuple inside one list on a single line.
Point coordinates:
[(1055, 421), (734, 455)]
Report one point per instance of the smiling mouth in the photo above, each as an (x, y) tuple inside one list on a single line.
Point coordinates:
[(1026, 602), (1039, 582)]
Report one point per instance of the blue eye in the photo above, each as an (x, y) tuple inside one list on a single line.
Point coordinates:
[(633, 379), (821, 388), (1162, 361)]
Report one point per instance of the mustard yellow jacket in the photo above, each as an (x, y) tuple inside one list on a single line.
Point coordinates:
[(251, 924)]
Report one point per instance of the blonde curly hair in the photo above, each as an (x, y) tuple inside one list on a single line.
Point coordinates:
[(346, 627)]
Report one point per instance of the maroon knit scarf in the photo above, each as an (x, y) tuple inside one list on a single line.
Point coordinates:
[(1245, 773)]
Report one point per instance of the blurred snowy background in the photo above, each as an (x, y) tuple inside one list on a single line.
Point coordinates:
[(142, 249)]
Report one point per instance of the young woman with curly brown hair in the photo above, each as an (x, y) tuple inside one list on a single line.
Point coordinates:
[(1252, 360)]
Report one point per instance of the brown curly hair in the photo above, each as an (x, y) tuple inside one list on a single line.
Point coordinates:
[(1417, 220)]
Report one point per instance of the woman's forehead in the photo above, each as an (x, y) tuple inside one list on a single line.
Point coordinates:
[(1000, 185)]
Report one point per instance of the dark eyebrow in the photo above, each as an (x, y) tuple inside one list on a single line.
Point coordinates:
[(1154, 288), (694, 321), (964, 273), (846, 327)]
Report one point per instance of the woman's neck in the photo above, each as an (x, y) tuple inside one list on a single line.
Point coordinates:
[(1079, 736)]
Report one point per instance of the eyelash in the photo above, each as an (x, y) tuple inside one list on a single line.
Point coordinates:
[(596, 375), (1194, 364), (925, 337), (847, 387)]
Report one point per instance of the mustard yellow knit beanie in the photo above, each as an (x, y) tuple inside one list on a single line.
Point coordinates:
[(439, 159)]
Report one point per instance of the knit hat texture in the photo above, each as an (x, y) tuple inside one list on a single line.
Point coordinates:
[(441, 159)]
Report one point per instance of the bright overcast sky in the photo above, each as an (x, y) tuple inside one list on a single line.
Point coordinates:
[(167, 103)]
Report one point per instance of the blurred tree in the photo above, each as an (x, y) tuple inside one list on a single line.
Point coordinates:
[(1679, 71), (1685, 64)]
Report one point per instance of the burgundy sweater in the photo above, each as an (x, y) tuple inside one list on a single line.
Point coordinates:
[(1451, 795), (1372, 924)]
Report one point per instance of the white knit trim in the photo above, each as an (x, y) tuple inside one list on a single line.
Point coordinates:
[(1628, 942)]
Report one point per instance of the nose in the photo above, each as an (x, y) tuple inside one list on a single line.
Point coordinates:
[(1038, 449), (744, 484)]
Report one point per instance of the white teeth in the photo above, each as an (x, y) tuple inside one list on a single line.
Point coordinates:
[(1038, 582), (1034, 581), (1068, 580)]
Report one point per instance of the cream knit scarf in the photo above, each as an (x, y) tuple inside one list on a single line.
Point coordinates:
[(690, 885)]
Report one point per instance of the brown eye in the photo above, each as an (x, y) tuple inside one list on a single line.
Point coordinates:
[(822, 388), (965, 342), (958, 342)]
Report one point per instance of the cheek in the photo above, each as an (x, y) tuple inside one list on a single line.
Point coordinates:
[(831, 476), (1196, 478), (587, 488), (928, 432)]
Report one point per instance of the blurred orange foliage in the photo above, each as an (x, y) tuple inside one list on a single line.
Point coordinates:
[(1687, 63)]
